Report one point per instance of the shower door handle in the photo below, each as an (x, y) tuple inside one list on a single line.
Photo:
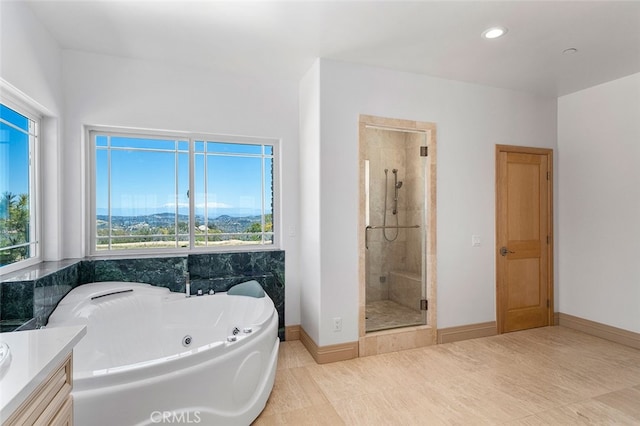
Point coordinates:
[(504, 251)]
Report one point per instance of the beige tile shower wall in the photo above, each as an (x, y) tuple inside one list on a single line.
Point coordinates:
[(405, 288), (414, 202), (385, 150)]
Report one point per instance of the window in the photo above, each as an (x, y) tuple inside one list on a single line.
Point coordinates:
[(186, 192), (18, 143)]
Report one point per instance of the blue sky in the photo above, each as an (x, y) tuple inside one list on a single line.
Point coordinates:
[(143, 182), (14, 153)]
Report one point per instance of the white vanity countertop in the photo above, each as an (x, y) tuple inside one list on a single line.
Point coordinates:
[(34, 355)]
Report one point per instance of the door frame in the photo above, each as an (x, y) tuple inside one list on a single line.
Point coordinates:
[(548, 152)]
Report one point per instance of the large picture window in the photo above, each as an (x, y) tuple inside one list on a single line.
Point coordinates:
[(161, 192), (18, 230)]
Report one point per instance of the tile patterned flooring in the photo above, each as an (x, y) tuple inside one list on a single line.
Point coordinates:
[(545, 376), (385, 314)]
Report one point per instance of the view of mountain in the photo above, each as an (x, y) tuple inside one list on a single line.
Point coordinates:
[(218, 211), (225, 223)]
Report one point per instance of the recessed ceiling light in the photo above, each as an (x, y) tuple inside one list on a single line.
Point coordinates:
[(570, 51), (494, 32)]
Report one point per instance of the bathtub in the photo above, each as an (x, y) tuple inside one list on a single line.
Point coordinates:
[(151, 356)]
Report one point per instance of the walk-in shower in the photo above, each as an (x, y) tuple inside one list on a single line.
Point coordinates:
[(397, 234), (395, 228)]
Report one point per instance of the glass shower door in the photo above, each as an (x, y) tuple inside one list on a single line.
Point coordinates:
[(395, 229)]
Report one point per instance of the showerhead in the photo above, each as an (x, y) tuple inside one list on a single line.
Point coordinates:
[(399, 185)]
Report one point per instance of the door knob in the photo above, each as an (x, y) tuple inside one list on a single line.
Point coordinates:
[(504, 251)]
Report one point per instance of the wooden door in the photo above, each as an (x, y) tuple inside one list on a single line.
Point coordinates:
[(524, 248)]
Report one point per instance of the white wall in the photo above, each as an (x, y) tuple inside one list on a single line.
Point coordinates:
[(31, 64), (470, 120), (310, 236), (30, 59), (599, 221), (104, 90)]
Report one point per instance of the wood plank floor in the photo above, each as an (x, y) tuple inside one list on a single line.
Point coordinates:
[(545, 376)]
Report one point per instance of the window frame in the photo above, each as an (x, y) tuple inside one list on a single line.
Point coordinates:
[(22, 106), (191, 138)]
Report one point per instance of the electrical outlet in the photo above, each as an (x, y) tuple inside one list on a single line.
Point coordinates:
[(337, 324)]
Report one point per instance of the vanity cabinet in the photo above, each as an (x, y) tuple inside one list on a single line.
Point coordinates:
[(51, 402)]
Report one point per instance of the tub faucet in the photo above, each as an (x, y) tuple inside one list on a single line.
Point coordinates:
[(187, 285)]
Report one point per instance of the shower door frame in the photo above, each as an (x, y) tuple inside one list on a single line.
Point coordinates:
[(408, 337)]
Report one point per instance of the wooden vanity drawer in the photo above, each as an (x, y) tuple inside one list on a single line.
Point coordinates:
[(49, 399), (65, 415)]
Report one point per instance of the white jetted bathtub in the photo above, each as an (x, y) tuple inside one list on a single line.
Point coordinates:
[(151, 356)]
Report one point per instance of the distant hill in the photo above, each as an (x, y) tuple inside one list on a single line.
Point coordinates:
[(224, 223)]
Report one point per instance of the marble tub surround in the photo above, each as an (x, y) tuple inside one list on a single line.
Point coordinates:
[(37, 271), (29, 296), (50, 289), (221, 265), (16, 299), (169, 272)]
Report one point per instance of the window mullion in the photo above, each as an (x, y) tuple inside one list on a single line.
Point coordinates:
[(263, 200), (29, 132), (206, 195), (109, 190), (33, 191), (192, 162), (176, 199)]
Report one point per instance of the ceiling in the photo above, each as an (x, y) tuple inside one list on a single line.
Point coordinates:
[(443, 39)]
